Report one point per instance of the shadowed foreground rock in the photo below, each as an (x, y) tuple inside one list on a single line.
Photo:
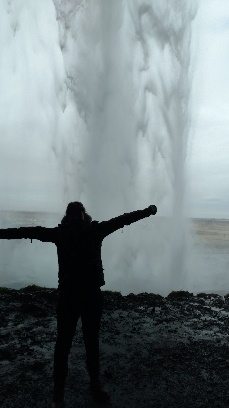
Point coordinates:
[(155, 351)]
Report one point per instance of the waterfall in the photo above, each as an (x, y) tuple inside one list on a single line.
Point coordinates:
[(128, 68), (112, 122)]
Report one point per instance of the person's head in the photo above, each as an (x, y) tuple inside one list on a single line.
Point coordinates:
[(75, 212)]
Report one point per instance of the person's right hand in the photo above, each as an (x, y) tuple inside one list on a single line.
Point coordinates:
[(153, 209)]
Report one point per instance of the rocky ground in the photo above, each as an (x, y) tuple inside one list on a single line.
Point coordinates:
[(155, 352)]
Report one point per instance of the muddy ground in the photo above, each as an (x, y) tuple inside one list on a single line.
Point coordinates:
[(155, 352)]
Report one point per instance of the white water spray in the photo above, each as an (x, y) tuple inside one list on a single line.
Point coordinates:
[(117, 124)]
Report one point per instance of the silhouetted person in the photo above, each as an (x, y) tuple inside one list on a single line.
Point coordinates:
[(79, 241)]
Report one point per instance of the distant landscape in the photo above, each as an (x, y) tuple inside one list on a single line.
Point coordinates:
[(211, 231), (202, 226)]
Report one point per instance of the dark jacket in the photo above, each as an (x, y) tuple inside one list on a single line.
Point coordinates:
[(78, 247)]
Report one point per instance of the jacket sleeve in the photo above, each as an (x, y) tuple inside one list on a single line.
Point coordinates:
[(40, 233), (112, 225)]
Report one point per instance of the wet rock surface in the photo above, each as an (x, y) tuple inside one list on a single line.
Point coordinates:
[(155, 351)]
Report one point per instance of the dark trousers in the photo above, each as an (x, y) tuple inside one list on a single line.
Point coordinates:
[(87, 305)]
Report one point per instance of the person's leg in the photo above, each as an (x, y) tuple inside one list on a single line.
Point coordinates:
[(67, 317), (91, 313)]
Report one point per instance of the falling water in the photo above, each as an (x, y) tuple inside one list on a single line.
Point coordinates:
[(111, 124)]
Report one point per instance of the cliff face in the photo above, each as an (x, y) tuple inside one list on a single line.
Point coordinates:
[(155, 351)]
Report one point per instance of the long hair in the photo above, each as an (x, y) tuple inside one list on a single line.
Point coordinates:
[(73, 211)]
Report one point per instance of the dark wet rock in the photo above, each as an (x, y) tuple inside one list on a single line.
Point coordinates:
[(203, 295), (149, 299), (226, 299), (155, 351), (33, 309), (212, 299), (3, 319), (4, 291), (7, 353), (112, 300), (32, 289), (218, 302), (179, 295)]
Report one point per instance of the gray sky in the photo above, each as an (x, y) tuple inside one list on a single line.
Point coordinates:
[(209, 143)]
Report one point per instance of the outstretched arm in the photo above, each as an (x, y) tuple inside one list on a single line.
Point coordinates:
[(40, 233), (107, 227)]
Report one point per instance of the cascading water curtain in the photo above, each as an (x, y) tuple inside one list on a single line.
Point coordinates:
[(128, 69), (97, 110)]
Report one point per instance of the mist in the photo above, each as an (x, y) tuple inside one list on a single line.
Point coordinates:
[(95, 107)]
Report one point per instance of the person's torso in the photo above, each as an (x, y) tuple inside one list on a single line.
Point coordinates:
[(79, 255)]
